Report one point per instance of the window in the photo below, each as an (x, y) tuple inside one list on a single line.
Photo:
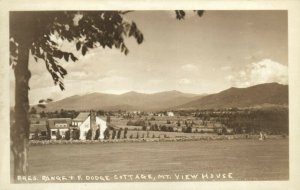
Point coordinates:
[(53, 133)]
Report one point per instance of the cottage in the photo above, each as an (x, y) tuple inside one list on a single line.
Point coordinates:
[(38, 131), (82, 116), (170, 114), (59, 126), (94, 123)]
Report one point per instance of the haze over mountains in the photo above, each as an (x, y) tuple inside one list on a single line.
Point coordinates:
[(258, 95)]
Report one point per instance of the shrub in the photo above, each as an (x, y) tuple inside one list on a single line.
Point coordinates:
[(89, 135), (119, 133), (114, 134), (67, 135), (97, 134), (58, 136), (125, 133), (106, 133)]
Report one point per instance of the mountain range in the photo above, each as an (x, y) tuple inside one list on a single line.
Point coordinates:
[(258, 95)]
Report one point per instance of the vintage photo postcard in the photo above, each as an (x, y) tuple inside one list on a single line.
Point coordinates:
[(152, 95)]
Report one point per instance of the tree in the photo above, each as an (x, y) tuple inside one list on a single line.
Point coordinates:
[(119, 133), (68, 135), (97, 134), (113, 134), (89, 135), (58, 136), (31, 34), (125, 132), (106, 133), (33, 110)]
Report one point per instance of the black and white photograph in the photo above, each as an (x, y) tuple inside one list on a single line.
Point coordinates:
[(109, 96)]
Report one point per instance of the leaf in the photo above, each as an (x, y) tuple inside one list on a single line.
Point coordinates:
[(126, 51), (61, 86), (73, 57), (140, 38), (58, 54), (49, 100), (61, 70), (89, 44), (41, 106), (84, 50), (78, 45), (132, 29), (66, 56)]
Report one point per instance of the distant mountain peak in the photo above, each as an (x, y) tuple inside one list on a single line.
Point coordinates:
[(257, 95)]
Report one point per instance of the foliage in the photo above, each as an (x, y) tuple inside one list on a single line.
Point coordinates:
[(58, 136), (106, 133), (76, 134), (125, 132), (113, 134), (138, 122), (119, 133), (67, 135), (33, 110), (97, 134), (89, 135), (86, 29)]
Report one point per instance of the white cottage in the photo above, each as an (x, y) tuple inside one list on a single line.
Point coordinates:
[(86, 126)]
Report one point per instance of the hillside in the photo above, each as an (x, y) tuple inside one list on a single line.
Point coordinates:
[(127, 101), (263, 95), (255, 96)]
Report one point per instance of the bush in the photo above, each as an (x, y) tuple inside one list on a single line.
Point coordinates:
[(119, 133), (125, 133), (106, 133), (58, 136), (97, 134), (76, 134), (89, 135), (67, 135), (114, 134)]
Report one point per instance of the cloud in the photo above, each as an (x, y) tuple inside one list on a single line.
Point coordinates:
[(264, 71), (184, 81), (189, 67), (226, 68)]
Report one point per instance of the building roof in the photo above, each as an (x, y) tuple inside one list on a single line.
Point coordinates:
[(37, 127), (53, 121), (82, 116)]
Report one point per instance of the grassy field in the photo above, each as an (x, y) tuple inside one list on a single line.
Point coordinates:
[(245, 159)]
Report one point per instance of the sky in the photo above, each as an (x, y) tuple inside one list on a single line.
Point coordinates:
[(207, 54)]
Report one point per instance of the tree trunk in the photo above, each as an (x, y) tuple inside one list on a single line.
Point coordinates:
[(20, 129)]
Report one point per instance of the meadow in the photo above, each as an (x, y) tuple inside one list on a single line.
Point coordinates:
[(244, 159)]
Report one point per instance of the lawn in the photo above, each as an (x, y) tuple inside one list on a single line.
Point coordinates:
[(244, 159)]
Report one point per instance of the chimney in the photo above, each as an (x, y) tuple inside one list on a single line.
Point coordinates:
[(93, 124)]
